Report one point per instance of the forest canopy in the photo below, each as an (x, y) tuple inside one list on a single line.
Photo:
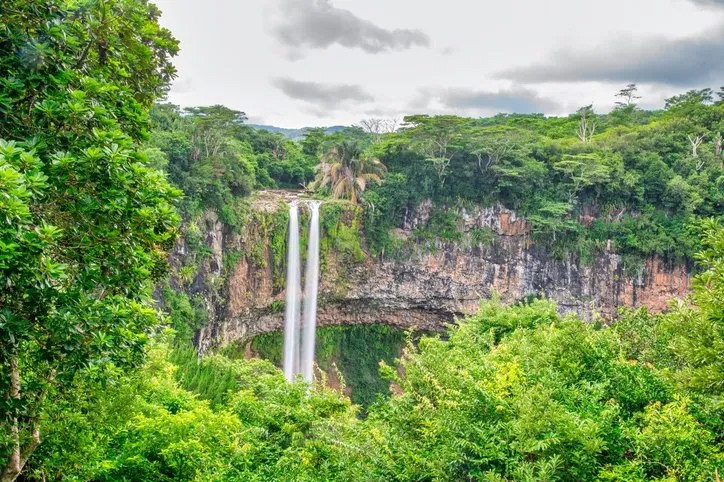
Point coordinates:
[(99, 175), (639, 178), (642, 179)]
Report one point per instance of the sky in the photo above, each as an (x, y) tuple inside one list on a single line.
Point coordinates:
[(298, 63)]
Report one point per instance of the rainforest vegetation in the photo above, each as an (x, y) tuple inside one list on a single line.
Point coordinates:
[(99, 177), (641, 179)]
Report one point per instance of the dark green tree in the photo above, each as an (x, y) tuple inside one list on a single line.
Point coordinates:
[(85, 223), (313, 141)]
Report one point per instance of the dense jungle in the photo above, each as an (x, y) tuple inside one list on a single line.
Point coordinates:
[(143, 258)]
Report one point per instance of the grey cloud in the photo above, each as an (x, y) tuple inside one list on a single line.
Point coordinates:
[(709, 3), (685, 62), (319, 24), (516, 99), (322, 95)]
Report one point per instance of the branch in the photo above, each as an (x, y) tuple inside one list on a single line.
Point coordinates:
[(13, 465), (86, 49), (695, 143), (20, 457), (591, 130)]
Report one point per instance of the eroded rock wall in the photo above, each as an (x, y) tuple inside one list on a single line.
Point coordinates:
[(426, 290)]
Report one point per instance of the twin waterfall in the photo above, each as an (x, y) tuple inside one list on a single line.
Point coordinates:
[(299, 331)]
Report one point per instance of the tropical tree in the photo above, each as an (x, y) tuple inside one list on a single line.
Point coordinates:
[(346, 170), (85, 221), (439, 138), (698, 327), (582, 170)]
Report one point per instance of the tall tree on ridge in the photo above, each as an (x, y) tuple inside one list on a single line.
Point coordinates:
[(586, 124), (439, 138), (629, 96)]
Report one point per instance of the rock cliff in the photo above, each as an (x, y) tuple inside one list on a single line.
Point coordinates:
[(241, 277)]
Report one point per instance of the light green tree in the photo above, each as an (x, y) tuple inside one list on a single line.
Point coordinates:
[(582, 170), (438, 138)]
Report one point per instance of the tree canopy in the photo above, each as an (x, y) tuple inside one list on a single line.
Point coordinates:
[(85, 222), (646, 175)]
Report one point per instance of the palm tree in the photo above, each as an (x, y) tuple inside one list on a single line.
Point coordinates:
[(346, 170)]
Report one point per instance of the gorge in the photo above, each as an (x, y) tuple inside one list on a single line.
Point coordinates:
[(424, 290)]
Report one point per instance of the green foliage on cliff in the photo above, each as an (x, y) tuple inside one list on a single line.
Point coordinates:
[(186, 314), (216, 159), (341, 233), (639, 176), (278, 244), (340, 229), (442, 226), (357, 351)]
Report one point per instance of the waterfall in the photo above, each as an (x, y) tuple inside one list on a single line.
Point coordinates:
[(299, 350), (291, 316), (311, 285)]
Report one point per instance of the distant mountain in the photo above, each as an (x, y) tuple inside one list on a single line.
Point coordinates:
[(294, 134)]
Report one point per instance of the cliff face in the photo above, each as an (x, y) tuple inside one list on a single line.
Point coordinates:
[(426, 290)]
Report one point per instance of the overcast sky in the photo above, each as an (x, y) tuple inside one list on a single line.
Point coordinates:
[(295, 63)]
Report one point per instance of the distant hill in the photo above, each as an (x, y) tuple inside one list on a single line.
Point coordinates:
[(294, 134)]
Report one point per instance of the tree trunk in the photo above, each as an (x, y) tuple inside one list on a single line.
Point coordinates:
[(19, 455)]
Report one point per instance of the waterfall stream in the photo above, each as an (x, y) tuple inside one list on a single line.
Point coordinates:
[(299, 350), (311, 284), (290, 359)]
